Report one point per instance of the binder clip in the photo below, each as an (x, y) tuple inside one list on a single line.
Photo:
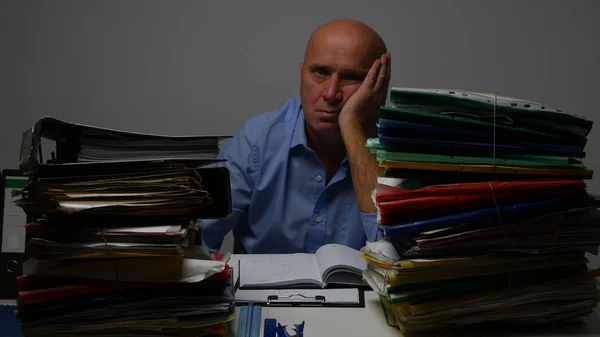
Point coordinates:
[(298, 329)]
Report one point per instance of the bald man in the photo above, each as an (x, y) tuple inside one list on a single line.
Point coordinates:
[(301, 176)]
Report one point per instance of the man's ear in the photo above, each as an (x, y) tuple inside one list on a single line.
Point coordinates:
[(301, 65)]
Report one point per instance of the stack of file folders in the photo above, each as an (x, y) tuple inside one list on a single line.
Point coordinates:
[(485, 212), (112, 248)]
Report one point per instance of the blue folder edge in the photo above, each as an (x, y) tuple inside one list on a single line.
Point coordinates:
[(484, 215), (449, 146), (390, 128), (10, 326)]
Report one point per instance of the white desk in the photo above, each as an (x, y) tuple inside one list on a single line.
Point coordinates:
[(370, 321)]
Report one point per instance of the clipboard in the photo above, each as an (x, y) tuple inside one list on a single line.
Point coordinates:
[(12, 249), (342, 297)]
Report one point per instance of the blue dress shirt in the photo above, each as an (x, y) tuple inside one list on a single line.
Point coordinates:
[(281, 201)]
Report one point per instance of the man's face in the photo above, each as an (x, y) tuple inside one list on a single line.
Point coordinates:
[(334, 68)]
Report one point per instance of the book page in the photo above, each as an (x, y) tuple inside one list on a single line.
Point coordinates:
[(279, 270), (336, 256)]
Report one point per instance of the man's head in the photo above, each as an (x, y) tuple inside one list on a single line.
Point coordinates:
[(337, 59)]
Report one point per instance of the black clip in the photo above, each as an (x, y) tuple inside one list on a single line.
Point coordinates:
[(275, 299)]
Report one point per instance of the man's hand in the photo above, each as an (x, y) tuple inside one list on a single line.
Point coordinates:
[(363, 107), (356, 119)]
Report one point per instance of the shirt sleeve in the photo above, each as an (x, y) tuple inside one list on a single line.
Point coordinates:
[(242, 163), (369, 220)]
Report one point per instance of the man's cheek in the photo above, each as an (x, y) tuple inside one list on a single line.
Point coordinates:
[(351, 89), (346, 94)]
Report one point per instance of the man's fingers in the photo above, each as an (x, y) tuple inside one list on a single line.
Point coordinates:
[(371, 78), (389, 66), (389, 74), (383, 76)]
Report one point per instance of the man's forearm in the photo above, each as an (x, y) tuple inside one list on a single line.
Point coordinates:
[(363, 165)]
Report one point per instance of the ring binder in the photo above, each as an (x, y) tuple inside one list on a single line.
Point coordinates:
[(80, 144), (12, 266), (12, 234)]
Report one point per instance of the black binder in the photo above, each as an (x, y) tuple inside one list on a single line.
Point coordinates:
[(55, 149), (52, 141), (11, 263)]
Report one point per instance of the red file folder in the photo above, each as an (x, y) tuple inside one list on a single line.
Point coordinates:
[(398, 205)]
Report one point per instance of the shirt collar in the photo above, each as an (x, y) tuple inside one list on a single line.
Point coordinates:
[(299, 133), (299, 136)]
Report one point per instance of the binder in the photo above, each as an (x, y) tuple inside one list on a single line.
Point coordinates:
[(428, 131), (457, 174), (427, 146), (98, 179), (515, 161), (79, 144), (510, 188), (344, 297), (12, 252), (463, 123), (398, 205), (516, 111), (464, 156), (491, 216), (214, 180), (498, 172)]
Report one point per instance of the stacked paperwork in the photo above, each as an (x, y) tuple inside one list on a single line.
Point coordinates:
[(112, 241), (485, 212)]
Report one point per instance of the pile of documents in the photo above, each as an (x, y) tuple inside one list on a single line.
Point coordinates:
[(485, 212), (113, 232)]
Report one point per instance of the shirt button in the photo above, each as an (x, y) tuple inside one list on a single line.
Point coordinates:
[(318, 219), (319, 178)]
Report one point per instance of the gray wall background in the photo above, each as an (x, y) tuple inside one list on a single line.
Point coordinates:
[(200, 67)]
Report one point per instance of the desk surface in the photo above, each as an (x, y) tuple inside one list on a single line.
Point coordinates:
[(370, 321)]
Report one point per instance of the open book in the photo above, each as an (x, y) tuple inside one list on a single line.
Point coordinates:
[(333, 264)]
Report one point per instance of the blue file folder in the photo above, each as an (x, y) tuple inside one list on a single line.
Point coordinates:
[(9, 324)]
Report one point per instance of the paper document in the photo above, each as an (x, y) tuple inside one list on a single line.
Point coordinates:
[(331, 264)]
